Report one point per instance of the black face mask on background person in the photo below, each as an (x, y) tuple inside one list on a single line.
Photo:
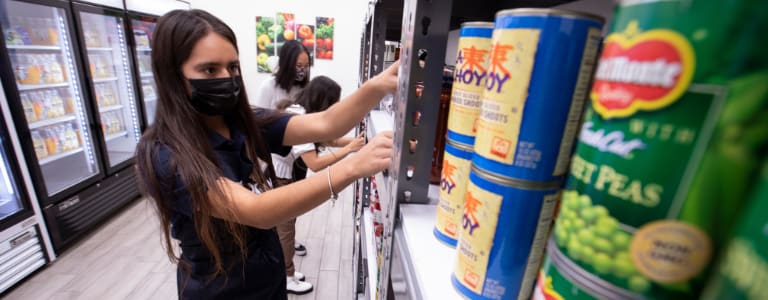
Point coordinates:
[(301, 73), (217, 96)]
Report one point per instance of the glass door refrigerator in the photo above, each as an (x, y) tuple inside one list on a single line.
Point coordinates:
[(75, 161), (24, 246), (110, 72), (142, 28)]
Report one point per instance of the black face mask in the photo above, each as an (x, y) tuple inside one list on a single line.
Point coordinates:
[(213, 97)]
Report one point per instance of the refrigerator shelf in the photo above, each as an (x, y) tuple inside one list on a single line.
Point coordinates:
[(34, 47), (51, 158), (153, 99), (118, 135), (29, 87), (146, 74), (105, 79), (110, 108), (108, 49), (52, 121), (144, 49)]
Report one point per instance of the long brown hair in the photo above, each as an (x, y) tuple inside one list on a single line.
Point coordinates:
[(181, 129)]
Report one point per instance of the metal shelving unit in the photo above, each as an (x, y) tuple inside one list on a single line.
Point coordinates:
[(415, 265)]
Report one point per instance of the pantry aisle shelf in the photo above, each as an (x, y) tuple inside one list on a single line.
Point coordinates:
[(49, 159), (34, 47), (378, 122), (427, 264), (29, 87), (52, 121)]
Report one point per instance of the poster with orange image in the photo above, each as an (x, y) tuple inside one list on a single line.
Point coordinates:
[(305, 34), (285, 29)]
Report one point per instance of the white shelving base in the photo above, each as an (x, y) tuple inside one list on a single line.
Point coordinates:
[(432, 261)]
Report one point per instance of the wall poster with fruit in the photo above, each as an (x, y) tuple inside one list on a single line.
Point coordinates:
[(324, 38), (305, 34), (265, 42), (285, 30)]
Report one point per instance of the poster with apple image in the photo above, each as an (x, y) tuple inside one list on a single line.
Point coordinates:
[(305, 34), (285, 30), (324, 38), (265, 43)]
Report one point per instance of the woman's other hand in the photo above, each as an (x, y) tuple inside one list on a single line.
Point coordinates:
[(386, 81), (355, 144), (373, 157)]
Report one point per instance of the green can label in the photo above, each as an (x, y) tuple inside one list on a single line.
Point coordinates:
[(644, 206), (743, 268)]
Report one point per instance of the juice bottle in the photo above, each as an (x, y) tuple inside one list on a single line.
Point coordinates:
[(53, 33), (92, 65), (19, 27), (37, 105), (57, 73), (29, 110), (34, 70), (19, 63), (50, 112), (69, 104), (57, 103), (71, 136), (11, 36), (51, 141), (62, 138), (39, 33), (39, 143), (109, 96), (101, 68)]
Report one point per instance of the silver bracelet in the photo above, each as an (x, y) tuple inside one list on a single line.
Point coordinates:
[(334, 196)]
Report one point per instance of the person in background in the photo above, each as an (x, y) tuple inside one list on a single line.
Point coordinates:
[(205, 162), (291, 77), (319, 94)]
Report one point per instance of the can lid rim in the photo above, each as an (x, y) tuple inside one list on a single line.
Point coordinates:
[(460, 145), (516, 183), (549, 12), (477, 24)]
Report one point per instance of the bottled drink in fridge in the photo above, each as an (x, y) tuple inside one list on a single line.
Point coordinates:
[(29, 110), (39, 143)]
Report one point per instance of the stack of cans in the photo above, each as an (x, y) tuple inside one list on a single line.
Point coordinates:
[(517, 102)]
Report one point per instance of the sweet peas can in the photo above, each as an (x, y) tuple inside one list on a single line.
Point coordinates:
[(538, 78), (469, 80), (669, 147)]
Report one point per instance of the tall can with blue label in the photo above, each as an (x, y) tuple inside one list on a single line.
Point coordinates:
[(472, 59), (503, 233), (539, 75), (453, 186)]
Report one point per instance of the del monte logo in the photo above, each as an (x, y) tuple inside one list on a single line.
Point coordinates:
[(641, 71)]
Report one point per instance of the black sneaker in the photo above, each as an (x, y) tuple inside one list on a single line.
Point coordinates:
[(300, 249)]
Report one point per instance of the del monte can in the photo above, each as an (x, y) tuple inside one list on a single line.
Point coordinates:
[(666, 154)]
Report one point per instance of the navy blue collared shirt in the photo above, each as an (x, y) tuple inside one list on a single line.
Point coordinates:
[(262, 276)]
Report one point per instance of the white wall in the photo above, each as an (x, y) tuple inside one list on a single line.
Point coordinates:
[(348, 26)]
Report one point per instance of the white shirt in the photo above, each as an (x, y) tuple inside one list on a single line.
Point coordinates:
[(284, 164), (270, 94)]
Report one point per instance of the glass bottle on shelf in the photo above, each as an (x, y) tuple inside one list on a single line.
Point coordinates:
[(57, 73), (48, 104), (34, 70), (69, 104), (51, 141), (38, 105), (29, 109), (19, 63), (72, 137), (39, 142), (53, 33)]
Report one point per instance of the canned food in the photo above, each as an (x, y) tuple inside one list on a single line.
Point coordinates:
[(504, 230), (743, 269), (469, 80), (453, 186), (538, 79), (666, 151)]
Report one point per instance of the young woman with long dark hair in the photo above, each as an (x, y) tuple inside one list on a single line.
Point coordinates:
[(205, 161)]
